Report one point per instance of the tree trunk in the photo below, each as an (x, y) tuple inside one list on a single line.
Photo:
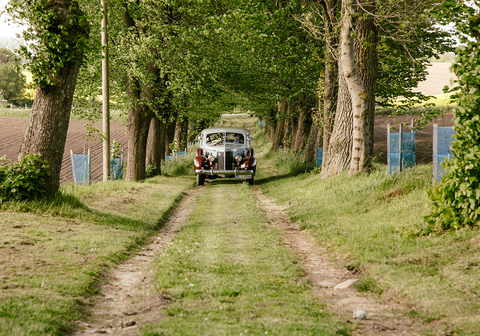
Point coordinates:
[(47, 126), (287, 135), (139, 116), (340, 147), (310, 149), (366, 40), (170, 136), (287, 127), (270, 121), (180, 136), (299, 142), (277, 140), (191, 133), (156, 144), (280, 127), (331, 74), (355, 86), (319, 139)]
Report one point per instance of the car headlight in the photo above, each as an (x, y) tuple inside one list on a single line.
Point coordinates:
[(238, 158), (211, 158)]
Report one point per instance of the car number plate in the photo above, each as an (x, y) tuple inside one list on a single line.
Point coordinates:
[(243, 177)]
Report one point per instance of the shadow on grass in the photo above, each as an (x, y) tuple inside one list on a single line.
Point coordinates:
[(258, 181), (62, 205)]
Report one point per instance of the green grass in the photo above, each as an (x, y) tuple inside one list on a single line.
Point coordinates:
[(18, 113), (228, 273), (368, 222), (182, 165), (52, 254)]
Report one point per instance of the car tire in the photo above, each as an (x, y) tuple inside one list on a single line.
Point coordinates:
[(200, 179), (252, 180)]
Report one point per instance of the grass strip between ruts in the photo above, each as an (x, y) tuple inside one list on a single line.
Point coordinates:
[(229, 273)]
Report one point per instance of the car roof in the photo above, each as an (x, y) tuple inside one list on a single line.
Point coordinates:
[(225, 129)]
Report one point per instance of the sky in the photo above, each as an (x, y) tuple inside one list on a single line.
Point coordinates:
[(7, 30)]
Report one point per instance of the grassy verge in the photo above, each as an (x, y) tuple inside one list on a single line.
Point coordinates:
[(18, 113), (52, 254), (227, 273), (367, 222)]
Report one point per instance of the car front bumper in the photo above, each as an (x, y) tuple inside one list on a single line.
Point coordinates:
[(212, 172)]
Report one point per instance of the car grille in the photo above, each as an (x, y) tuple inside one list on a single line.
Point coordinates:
[(225, 160), (229, 160), (221, 160)]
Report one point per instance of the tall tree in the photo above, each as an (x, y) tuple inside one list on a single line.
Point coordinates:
[(358, 62), (392, 42), (60, 31)]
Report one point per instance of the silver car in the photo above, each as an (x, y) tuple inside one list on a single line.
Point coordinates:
[(225, 152)]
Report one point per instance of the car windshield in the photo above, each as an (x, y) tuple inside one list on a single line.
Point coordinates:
[(221, 139)]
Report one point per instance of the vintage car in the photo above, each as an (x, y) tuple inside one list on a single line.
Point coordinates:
[(225, 152)]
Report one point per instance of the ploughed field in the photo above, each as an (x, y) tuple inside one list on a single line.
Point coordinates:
[(12, 131)]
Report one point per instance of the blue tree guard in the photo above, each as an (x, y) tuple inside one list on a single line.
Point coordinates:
[(81, 168), (401, 151), (319, 156), (174, 157), (442, 140), (261, 123), (116, 169)]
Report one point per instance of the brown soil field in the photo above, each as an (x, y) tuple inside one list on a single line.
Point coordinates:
[(12, 131)]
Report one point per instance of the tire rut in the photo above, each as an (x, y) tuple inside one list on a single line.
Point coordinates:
[(128, 299), (333, 284)]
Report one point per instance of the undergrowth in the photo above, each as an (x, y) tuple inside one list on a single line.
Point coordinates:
[(290, 163), (180, 166)]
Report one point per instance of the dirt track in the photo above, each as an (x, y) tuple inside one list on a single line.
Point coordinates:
[(12, 131)]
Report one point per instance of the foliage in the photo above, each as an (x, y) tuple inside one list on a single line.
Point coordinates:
[(59, 36), (456, 200), (12, 83), (7, 56), (116, 150), (150, 171), (409, 37), (24, 180)]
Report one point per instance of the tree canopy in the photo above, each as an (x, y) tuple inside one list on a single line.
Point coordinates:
[(12, 82)]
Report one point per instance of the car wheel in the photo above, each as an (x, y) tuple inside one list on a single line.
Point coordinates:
[(200, 179), (252, 180)]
